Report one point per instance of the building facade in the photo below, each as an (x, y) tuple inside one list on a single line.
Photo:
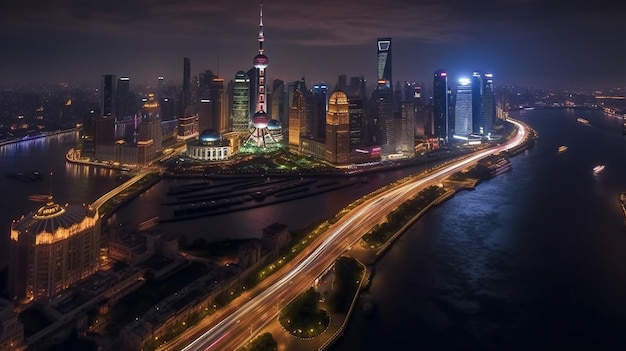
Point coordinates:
[(463, 108), (52, 249), (384, 97), (440, 106), (338, 129), (241, 103)]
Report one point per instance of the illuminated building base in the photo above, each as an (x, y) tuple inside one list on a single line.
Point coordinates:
[(261, 137)]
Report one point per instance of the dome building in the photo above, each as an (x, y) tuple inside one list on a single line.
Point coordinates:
[(52, 249), (210, 146)]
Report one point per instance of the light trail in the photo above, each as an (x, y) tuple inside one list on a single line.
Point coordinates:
[(346, 229)]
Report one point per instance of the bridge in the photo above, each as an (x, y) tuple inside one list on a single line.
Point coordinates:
[(117, 190)]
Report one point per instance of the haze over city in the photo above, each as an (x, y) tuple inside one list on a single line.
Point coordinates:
[(549, 43)]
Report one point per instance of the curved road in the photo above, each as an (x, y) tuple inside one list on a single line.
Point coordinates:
[(250, 312)]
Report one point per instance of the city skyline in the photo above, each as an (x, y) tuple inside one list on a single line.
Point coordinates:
[(522, 42)]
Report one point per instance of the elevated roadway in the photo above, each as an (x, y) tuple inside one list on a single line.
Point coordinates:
[(232, 327)]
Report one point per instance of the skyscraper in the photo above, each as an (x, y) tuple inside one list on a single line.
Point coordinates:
[(278, 102), (108, 95), (318, 110), (384, 62), (440, 106), (488, 104), (477, 98), (297, 120), (357, 117), (123, 99), (463, 108), (186, 92), (338, 129), (219, 105), (407, 128), (150, 138), (241, 103), (384, 97)]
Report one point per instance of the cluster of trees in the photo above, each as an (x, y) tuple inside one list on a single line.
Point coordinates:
[(396, 219)]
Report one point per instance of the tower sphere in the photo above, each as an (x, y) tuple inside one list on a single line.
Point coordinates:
[(273, 125), (260, 61), (260, 119)]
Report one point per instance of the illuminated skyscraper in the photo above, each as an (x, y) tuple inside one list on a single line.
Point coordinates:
[(488, 104), (150, 139), (440, 106), (384, 97), (260, 136), (338, 129), (463, 108), (407, 129), (297, 120), (241, 101), (219, 105), (384, 63), (477, 98)]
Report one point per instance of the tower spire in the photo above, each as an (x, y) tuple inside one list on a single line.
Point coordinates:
[(261, 37)]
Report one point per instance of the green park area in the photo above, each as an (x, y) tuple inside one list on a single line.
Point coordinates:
[(382, 232)]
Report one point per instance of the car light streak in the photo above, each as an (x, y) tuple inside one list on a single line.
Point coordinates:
[(375, 209)]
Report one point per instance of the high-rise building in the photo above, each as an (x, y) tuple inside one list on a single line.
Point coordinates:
[(338, 129), (186, 92), (278, 102), (219, 105), (342, 82), (488, 104), (297, 120), (384, 98), (384, 62), (123, 99), (241, 103), (357, 117), (319, 106), (150, 138), (160, 87), (260, 136), (206, 118), (108, 95), (477, 99), (52, 249), (463, 108), (441, 125), (407, 129)]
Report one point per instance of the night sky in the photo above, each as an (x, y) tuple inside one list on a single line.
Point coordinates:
[(540, 43)]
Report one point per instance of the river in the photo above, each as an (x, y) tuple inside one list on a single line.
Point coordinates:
[(534, 258)]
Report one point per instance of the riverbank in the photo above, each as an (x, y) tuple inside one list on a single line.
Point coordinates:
[(38, 136), (369, 258)]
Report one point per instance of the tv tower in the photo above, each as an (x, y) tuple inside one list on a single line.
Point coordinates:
[(260, 119)]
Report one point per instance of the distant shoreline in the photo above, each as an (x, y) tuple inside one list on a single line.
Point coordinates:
[(38, 136)]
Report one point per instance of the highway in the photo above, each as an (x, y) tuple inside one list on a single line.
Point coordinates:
[(106, 197), (249, 313)]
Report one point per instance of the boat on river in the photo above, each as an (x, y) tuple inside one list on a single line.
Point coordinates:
[(562, 148), (598, 169)]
